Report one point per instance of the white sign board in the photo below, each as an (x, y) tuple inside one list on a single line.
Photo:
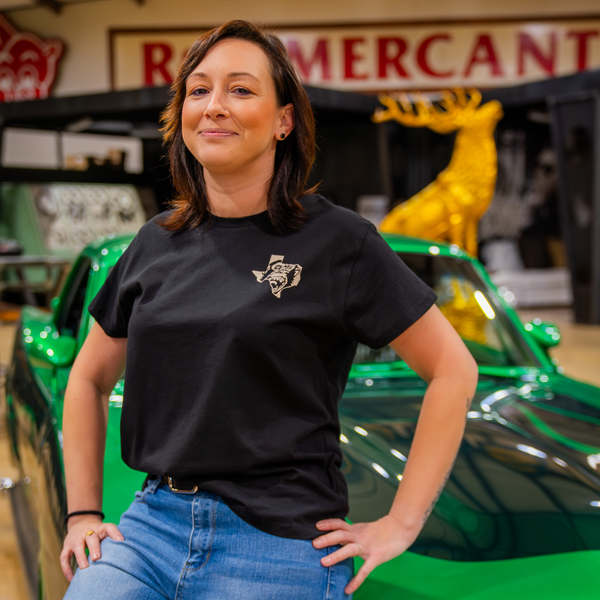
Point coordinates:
[(389, 57)]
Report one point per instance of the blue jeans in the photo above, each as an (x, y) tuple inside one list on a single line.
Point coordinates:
[(193, 547)]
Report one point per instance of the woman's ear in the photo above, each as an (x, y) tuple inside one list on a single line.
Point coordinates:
[(286, 121)]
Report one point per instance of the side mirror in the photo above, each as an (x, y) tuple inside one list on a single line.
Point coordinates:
[(545, 333), (43, 342)]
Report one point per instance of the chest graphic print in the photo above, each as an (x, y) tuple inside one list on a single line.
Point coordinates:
[(280, 275)]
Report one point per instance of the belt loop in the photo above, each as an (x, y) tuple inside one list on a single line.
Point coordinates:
[(147, 479)]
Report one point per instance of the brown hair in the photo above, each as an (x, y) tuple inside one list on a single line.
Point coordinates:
[(294, 156)]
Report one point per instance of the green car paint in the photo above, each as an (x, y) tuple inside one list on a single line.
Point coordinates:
[(572, 576), (520, 513)]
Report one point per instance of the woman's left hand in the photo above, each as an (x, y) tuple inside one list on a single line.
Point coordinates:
[(375, 542)]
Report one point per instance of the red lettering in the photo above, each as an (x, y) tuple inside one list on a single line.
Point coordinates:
[(484, 53), (350, 58), (385, 60), (154, 63), (320, 54), (528, 46), (582, 38), (422, 56)]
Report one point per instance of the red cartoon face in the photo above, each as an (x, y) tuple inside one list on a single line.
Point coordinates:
[(27, 64)]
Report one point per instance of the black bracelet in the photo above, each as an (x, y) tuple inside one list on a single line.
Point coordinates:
[(84, 512)]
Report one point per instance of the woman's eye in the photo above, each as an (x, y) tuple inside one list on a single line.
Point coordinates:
[(241, 91), (198, 92)]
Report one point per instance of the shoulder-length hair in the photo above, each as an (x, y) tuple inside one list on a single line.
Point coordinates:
[(294, 156)]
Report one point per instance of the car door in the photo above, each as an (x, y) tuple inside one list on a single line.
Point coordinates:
[(32, 396), (70, 320), (35, 389)]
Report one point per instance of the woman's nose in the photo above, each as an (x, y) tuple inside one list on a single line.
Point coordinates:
[(217, 105)]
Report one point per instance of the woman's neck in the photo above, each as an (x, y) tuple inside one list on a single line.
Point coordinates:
[(239, 195)]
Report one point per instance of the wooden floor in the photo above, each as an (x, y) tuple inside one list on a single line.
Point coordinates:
[(12, 583), (578, 353)]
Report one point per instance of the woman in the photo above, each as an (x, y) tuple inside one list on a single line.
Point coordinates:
[(239, 312)]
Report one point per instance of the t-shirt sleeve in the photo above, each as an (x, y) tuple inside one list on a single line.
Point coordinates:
[(384, 297), (112, 305)]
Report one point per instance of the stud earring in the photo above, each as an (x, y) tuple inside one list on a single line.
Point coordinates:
[(283, 136)]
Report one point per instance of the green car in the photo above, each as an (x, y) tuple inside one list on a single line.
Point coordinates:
[(519, 517)]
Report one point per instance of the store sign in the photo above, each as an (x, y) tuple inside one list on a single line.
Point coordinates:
[(28, 64), (390, 57)]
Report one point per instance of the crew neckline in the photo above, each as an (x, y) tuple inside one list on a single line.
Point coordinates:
[(239, 221)]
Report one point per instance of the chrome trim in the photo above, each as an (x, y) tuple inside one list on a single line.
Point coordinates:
[(7, 483)]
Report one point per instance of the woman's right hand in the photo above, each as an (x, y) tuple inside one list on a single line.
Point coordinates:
[(77, 540)]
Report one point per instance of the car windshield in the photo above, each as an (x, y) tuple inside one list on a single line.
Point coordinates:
[(473, 309)]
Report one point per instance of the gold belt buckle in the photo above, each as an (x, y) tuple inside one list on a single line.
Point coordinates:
[(174, 489)]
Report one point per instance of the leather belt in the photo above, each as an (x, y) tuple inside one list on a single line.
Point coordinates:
[(180, 488)]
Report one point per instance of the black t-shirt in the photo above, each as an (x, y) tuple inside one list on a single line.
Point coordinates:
[(240, 341)]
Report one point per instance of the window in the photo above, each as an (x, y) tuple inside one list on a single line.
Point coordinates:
[(70, 317), (472, 309)]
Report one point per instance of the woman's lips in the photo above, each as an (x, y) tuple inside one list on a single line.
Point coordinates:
[(216, 133)]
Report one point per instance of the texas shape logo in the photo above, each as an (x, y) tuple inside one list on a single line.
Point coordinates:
[(280, 275)]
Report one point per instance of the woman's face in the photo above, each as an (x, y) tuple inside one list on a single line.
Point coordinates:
[(231, 119)]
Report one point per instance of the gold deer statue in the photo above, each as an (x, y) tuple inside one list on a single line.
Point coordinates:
[(449, 208)]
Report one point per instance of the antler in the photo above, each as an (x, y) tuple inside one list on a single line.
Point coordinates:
[(446, 115), (401, 109)]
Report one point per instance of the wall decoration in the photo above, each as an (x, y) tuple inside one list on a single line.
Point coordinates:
[(28, 64), (71, 216)]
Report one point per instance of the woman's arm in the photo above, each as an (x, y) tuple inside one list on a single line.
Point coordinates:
[(433, 349), (96, 370)]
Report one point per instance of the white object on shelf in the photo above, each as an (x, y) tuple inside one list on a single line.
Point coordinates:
[(535, 287), (373, 208), (502, 255)]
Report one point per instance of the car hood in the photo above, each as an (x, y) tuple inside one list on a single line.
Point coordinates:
[(526, 481)]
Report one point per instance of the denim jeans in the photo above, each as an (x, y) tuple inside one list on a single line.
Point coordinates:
[(193, 547)]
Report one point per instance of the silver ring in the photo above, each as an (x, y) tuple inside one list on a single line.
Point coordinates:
[(359, 548)]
